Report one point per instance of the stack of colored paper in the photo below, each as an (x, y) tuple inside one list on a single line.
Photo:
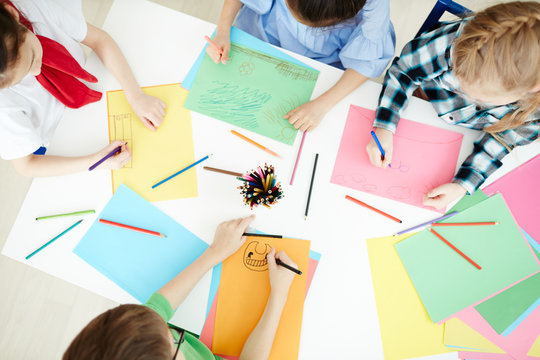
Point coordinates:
[(254, 90), (433, 284), (243, 293)]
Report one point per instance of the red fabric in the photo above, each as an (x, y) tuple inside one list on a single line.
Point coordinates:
[(60, 72)]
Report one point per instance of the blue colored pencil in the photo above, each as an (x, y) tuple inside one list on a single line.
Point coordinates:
[(52, 240), (181, 171), (378, 143), (116, 149)]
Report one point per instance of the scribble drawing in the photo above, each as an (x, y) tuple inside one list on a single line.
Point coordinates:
[(340, 179), (274, 116), (284, 67), (371, 188), (399, 166), (234, 103), (122, 130), (246, 68), (358, 177), (399, 192), (255, 256)]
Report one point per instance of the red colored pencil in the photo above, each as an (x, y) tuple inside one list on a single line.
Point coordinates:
[(372, 208), (129, 227), (298, 157), (466, 224), (455, 249)]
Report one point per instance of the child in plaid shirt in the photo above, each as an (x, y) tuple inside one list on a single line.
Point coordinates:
[(482, 73)]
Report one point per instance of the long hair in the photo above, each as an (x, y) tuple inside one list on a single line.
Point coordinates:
[(127, 332), (12, 35), (322, 13), (501, 45)]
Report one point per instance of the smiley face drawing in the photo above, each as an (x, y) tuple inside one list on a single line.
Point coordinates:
[(255, 256)]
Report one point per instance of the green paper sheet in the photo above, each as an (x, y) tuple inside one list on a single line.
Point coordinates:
[(445, 281), (467, 201), (253, 91)]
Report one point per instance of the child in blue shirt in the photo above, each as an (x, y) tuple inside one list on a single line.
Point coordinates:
[(354, 35)]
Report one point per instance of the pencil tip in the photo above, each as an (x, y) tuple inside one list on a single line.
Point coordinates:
[(305, 217), (163, 235), (497, 223), (400, 221)]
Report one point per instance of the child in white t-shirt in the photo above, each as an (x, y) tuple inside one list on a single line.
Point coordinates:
[(40, 72)]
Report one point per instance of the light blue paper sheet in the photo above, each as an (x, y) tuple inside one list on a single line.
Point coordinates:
[(139, 263), (243, 38)]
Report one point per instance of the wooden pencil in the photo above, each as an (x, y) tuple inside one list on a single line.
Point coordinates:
[(311, 185), (222, 171)]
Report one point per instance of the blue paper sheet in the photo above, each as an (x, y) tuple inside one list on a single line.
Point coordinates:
[(243, 38), (139, 263)]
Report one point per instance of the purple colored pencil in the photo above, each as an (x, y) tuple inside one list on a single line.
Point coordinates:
[(298, 157), (428, 222), (116, 149)]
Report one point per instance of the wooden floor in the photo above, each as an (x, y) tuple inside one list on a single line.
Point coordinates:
[(39, 314)]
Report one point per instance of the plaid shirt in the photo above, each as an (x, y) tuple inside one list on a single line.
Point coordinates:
[(426, 62)]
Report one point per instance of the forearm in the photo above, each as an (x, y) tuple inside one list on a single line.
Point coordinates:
[(228, 14), (179, 288), (259, 343), (50, 165), (114, 60), (349, 81)]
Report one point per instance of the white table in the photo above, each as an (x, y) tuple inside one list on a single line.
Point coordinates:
[(340, 316)]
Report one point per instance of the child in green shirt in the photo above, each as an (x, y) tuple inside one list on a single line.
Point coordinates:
[(140, 332)]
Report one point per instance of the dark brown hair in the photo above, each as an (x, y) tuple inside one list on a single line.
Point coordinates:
[(320, 13), (133, 332), (12, 35)]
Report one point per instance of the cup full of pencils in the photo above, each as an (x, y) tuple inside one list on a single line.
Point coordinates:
[(260, 187)]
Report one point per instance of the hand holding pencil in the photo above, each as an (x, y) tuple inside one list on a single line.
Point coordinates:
[(103, 159), (380, 147), (218, 48), (281, 278)]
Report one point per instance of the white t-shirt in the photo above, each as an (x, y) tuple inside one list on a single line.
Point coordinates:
[(29, 114)]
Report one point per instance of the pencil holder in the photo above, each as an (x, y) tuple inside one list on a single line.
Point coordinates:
[(260, 187)]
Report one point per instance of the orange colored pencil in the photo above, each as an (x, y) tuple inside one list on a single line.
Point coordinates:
[(254, 143), (214, 45), (372, 208), (129, 227), (466, 224), (455, 249)]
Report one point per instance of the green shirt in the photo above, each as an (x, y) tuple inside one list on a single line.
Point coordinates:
[(192, 348)]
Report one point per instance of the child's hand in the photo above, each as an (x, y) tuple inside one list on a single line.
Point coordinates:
[(386, 139), (443, 195), (280, 277), (224, 42), (149, 109), (117, 161), (228, 238), (308, 116)]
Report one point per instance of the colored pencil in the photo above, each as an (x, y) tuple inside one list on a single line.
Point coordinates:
[(129, 227), (52, 240), (466, 224), (264, 235), (427, 223), (378, 143), (311, 186), (83, 212), (222, 171), (298, 157), (254, 143), (281, 263), (116, 149), (372, 208), (214, 45), (181, 171), (455, 249)]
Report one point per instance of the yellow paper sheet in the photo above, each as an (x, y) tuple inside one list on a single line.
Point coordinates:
[(243, 294), (535, 349), (406, 328), (159, 154), (457, 333)]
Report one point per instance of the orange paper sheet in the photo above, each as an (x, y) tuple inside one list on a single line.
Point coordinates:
[(244, 292)]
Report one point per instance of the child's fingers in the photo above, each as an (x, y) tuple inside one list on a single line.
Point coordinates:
[(214, 55), (244, 222), (271, 257), (148, 124), (387, 159), (225, 55), (286, 259), (156, 118), (305, 127), (163, 105), (374, 156)]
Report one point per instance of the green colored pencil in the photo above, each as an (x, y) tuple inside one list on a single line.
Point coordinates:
[(83, 212), (52, 240)]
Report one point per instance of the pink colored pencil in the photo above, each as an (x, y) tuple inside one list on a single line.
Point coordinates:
[(298, 157), (214, 45)]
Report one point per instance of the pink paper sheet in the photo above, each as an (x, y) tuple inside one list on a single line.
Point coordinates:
[(207, 334), (469, 355), (517, 344), (522, 194), (424, 157)]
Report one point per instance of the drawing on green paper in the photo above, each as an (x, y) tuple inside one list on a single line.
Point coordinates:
[(253, 91)]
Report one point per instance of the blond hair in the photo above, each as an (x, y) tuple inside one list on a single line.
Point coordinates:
[(501, 45)]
